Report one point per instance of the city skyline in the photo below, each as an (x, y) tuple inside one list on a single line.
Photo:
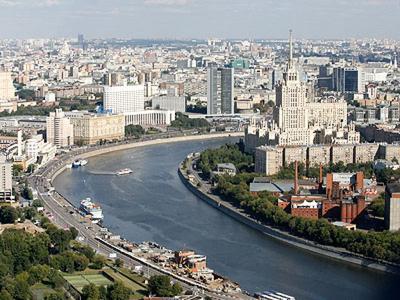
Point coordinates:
[(185, 19)]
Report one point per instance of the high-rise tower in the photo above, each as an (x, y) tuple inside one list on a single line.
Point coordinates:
[(290, 114), (220, 90)]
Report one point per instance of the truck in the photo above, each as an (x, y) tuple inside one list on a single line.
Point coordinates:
[(112, 255)]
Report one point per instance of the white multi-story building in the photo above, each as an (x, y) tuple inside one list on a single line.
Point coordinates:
[(5, 180), (124, 99), (150, 117), (7, 90), (175, 103), (60, 131)]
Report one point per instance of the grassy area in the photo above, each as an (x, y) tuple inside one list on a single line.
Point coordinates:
[(133, 276), (79, 281), (40, 290), (138, 288)]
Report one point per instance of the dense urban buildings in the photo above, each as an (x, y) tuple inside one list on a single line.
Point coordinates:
[(124, 99)]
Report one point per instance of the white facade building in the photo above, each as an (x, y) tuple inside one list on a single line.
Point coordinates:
[(175, 103), (150, 117), (7, 90), (124, 99), (5, 180), (60, 131)]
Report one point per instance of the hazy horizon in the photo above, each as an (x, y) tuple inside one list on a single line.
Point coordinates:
[(200, 19)]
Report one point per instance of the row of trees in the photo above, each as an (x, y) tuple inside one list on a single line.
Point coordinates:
[(378, 245), (184, 122), (116, 291)]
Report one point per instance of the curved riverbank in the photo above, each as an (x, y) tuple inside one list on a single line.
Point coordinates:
[(282, 236), (122, 147)]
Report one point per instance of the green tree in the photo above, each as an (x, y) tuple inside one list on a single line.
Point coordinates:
[(5, 295), (55, 279), (8, 215), (90, 292), (17, 170), (55, 296), (160, 285), (119, 263), (134, 131), (38, 273), (31, 168), (99, 262), (118, 291), (81, 262), (21, 289)]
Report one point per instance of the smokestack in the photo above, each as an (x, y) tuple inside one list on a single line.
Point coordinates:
[(321, 180), (296, 178)]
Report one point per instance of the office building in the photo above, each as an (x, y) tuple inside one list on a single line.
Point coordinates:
[(175, 103), (90, 128), (392, 206), (220, 91), (124, 99), (5, 180), (60, 131), (347, 80)]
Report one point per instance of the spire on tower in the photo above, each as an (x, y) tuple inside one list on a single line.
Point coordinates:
[(290, 64)]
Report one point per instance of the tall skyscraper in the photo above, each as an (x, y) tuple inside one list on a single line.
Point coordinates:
[(7, 90), (347, 80), (59, 129), (220, 91), (290, 113), (124, 99), (81, 40)]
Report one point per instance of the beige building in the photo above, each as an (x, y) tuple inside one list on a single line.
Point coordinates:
[(392, 206), (292, 154), (90, 128), (60, 131), (328, 113), (268, 160), (391, 152), (364, 153), (5, 180), (7, 90), (319, 154), (343, 153)]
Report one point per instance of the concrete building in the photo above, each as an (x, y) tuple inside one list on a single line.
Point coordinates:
[(124, 99), (59, 129), (327, 113), (293, 154), (364, 153), (347, 79), (7, 90), (90, 128), (268, 160), (392, 206), (319, 154), (220, 92), (343, 153), (175, 103), (5, 180), (150, 117)]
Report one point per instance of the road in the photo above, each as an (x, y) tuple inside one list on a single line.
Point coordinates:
[(65, 215)]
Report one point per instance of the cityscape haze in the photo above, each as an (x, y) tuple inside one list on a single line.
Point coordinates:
[(199, 149)]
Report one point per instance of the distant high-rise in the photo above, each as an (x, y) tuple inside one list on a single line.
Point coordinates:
[(124, 99), (7, 90), (81, 40), (220, 91)]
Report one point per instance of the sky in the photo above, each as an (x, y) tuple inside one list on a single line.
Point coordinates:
[(187, 19)]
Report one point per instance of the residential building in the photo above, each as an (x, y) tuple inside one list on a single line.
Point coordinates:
[(59, 129), (392, 206), (7, 90), (5, 180), (268, 160)]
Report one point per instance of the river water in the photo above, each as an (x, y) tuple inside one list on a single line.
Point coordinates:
[(152, 204)]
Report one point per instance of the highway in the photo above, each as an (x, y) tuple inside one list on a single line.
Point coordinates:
[(65, 215)]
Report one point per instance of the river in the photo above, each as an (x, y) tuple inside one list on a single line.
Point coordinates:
[(152, 204)]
